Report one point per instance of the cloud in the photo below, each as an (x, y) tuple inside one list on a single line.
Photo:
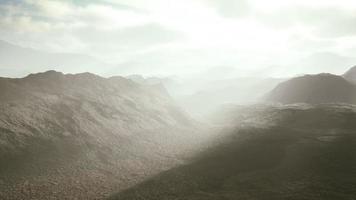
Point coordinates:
[(102, 15), (167, 37), (138, 36), (55, 23), (320, 62), (320, 21), (126, 42), (230, 8), (343, 25)]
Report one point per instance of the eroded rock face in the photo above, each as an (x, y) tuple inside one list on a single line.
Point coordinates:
[(80, 130)]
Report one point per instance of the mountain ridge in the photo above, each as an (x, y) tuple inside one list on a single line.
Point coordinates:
[(83, 126)]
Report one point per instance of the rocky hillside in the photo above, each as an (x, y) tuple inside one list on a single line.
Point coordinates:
[(61, 135), (321, 88), (285, 152)]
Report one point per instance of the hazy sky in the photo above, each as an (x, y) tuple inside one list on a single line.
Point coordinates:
[(176, 37)]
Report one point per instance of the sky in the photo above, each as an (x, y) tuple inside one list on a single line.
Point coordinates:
[(275, 38)]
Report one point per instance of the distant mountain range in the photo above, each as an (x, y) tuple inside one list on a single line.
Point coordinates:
[(201, 97), (205, 97), (211, 95), (320, 88)]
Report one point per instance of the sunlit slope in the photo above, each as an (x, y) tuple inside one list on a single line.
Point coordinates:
[(61, 135), (296, 152)]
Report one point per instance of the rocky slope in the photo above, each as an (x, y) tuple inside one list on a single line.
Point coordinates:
[(83, 136), (321, 88), (280, 152)]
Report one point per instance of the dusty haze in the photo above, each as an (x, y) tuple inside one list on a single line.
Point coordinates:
[(177, 99)]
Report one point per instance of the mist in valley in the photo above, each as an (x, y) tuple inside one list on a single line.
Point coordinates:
[(163, 100)]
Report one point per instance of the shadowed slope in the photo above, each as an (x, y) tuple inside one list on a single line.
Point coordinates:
[(313, 158)]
